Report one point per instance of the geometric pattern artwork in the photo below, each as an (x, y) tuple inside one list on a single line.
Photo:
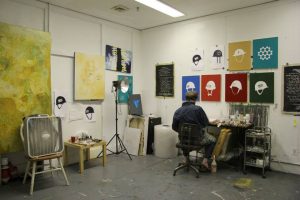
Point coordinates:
[(89, 77), (239, 55), (190, 83), (262, 87), (265, 53), (236, 87), (25, 75), (211, 87), (125, 92), (217, 57), (117, 59)]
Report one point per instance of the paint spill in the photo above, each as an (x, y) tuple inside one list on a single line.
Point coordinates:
[(218, 195)]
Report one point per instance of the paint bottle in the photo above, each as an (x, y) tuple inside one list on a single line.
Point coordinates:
[(214, 165)]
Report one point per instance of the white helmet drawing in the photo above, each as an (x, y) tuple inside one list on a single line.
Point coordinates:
[(239, 55), (236, 84), (210, 87), (190, 86), (260, 86)]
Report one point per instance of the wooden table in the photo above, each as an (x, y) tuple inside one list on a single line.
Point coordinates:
[(81, 148)]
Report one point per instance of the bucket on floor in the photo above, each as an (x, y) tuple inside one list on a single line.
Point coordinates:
[(165, 140)]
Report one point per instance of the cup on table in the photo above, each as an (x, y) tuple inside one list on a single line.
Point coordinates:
[(73, 139)]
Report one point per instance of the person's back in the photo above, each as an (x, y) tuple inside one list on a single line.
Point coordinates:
[(191, 113)]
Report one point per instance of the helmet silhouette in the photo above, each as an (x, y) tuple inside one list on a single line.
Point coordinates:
[(210, 87), (218, 54), (236, 84), (260, 86), (190, 86), (196, 59), (239, 52), (60, 100), (89, 112)]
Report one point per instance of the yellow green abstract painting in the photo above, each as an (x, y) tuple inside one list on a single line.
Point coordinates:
[(24, 80), (89, 77)]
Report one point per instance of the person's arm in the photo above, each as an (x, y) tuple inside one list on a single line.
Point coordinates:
[(203, 117), (175, 123)]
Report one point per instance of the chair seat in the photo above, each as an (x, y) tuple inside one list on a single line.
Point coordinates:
[(45, 157)]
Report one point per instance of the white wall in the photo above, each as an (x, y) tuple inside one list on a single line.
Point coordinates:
[(73, 32), (174, 43)]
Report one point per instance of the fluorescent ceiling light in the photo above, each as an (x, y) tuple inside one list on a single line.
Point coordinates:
[(161, 7)]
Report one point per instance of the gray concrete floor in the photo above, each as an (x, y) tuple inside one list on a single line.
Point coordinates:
[(149, 177)]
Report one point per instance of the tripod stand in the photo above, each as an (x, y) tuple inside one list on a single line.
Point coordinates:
[(116, 135)]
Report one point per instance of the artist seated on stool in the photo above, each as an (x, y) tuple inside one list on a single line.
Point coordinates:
[(191, 113)]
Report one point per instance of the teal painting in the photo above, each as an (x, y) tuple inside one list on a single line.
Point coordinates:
[(265, 53), (125, 89)]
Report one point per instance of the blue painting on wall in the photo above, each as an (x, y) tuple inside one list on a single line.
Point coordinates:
[(190, 83), (265, 53)]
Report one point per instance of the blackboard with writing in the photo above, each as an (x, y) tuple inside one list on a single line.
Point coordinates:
[(291, 89), (165, 80)]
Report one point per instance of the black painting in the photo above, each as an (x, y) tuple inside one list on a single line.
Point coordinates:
[(291, 89), (165, 80)]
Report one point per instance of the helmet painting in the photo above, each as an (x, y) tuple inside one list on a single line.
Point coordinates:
[(239, 55), (196, 59), (218, 54), (210, 87), (60, 100), (190, 86), (89, 112), (236, 84), (260, 86)]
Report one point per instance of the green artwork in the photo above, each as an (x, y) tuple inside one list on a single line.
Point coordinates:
[(262, 87), (24, 80)]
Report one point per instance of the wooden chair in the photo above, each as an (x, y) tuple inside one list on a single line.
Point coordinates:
[(42, 139)]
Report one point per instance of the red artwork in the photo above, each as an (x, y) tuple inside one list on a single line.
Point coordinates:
[(211, 87), (236, 88)]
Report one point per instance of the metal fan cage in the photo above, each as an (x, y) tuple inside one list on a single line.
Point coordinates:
[(42, 135)]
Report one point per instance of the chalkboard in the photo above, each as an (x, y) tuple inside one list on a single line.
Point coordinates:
[(291, 89), (165, 80)]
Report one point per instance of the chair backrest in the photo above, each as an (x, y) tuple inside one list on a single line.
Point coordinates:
[(41, 135), (190, 136)]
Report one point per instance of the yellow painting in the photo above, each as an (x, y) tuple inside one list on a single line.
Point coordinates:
[(89, 77), (239, 56), (24, 80)]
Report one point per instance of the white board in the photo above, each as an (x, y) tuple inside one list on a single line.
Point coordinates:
[(132, 140)]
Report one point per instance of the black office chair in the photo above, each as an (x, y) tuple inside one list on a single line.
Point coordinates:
[(189, 140)]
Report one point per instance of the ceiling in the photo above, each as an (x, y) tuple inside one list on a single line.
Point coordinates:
[(141, 17)]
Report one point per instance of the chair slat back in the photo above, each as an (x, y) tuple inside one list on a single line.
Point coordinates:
[(190, 135)]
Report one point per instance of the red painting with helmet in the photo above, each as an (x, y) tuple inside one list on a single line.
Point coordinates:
[(211, 87), (236, 88)]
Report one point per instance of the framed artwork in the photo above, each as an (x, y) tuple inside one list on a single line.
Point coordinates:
[(125, 92), (164, 78), (117, 59), (217, 57), (211, 87), (89, 77), (25, 80), (239, 54), (197, 59), (190, 83), (291, 89), (236, 87), (265, 53), (262, 87)]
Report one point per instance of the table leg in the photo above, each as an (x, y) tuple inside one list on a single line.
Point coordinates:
[(81, 161), (104, 154), (66, 156), (88, 153)]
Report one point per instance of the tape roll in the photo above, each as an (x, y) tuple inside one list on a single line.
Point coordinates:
[(165, 140)]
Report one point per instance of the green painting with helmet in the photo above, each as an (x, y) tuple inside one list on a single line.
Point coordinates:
[(262, 87), (24, 80)]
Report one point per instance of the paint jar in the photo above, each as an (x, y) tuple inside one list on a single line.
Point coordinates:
[(73, 138), (4, 161)]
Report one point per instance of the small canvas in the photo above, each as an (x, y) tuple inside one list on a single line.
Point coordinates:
[(135, 105), (132, 140)]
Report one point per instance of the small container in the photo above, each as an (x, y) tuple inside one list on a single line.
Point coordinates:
[(73, 138), (214, 165), (4, 161)]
